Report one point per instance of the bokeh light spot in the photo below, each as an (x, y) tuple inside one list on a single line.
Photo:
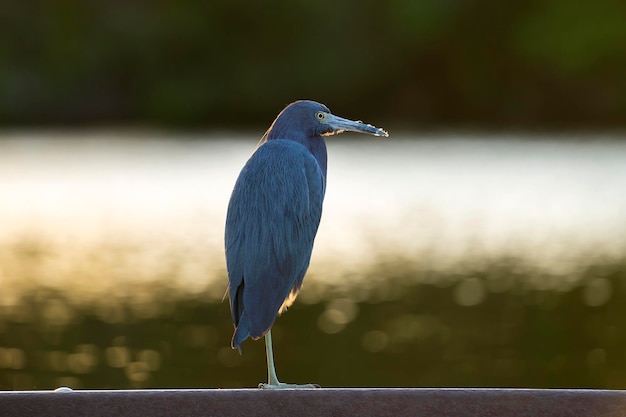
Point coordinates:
[(597, 292), (12, 358), (348, 307), (137, 372), (117, 356), (374, 341), (332, 321), (411, 327), (469, 292), (198, 336), (339, 312), (151, 358), (56, 312), (81, 363)]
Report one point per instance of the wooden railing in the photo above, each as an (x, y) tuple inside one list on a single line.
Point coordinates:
[(356, 402)]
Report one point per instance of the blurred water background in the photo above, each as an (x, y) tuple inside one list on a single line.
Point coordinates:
[(441, 260), (482, 244)]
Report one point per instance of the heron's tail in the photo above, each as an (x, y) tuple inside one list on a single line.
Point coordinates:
[(242, 332)]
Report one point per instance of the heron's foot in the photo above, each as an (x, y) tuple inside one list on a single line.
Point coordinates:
[(282, 385)]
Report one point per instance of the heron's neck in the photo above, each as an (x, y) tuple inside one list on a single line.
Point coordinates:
[(316, 145)]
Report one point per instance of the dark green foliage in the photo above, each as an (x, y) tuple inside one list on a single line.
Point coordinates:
[(217, 63)]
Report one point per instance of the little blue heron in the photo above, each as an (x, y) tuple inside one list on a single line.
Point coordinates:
[(272, 219)]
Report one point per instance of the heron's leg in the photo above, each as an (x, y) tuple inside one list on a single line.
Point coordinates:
[(272, 379)]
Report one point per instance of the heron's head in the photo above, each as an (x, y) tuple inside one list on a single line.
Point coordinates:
[(307, 119)]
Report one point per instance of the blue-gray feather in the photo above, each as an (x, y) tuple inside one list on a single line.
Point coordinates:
[(272, 219)]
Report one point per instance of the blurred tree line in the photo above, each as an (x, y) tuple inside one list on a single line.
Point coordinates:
[(415, 63)]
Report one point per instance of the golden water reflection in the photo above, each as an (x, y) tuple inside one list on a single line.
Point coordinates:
[(441, 261)]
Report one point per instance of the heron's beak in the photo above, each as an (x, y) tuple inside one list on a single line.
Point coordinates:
[(339, 124)]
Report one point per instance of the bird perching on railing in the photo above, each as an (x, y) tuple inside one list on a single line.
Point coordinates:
[(273, 216)]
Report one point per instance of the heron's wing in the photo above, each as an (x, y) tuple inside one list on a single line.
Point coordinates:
[(272, 219)]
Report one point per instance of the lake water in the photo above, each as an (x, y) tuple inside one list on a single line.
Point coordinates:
[(438, 200), (440, 261)]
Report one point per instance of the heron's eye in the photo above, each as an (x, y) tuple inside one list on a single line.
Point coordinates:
[(320, 115)]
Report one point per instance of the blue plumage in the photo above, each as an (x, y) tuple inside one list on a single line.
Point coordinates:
[(273, 216)]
